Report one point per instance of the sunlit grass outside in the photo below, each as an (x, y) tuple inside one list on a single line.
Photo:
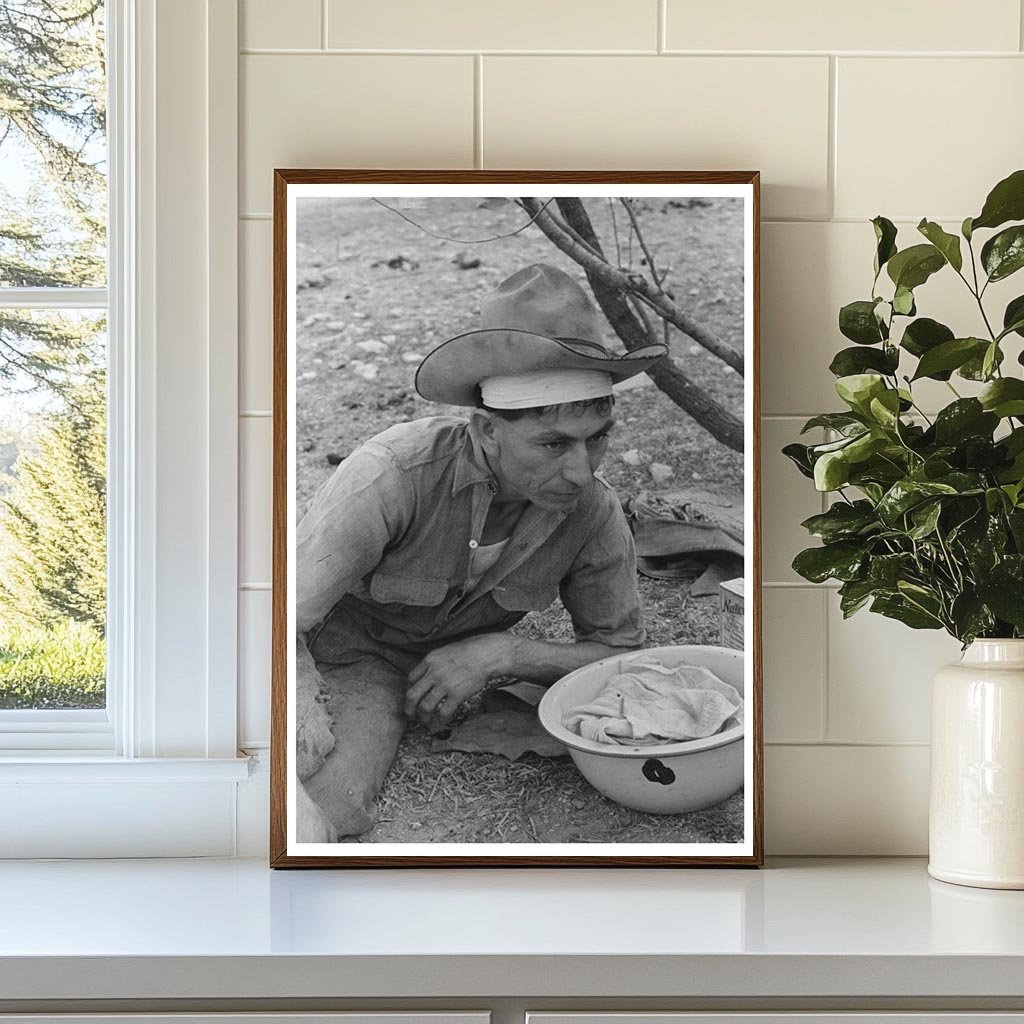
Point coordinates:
[(63, 666)]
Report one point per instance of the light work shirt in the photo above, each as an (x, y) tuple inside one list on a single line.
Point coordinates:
[(387, 543)]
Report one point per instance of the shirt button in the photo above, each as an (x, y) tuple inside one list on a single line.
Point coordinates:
[(492, 487), (473, 544)]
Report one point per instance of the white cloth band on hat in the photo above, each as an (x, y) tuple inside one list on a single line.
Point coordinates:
[(546, 387)]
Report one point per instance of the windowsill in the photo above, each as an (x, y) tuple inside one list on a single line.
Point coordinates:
[(822, 929), (79, 766)]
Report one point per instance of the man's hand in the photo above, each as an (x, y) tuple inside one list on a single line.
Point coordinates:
[(452, 674)]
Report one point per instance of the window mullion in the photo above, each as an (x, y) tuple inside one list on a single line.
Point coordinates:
[(53, 298)]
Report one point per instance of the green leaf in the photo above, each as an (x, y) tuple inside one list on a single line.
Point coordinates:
[(799, 455), (858, 389), (840, 561), (842, 521), (1005, 202), (947, 244), (925, 518), (1005, 596), (990, 360), (857, 321), (966, 417), (863, 447), (994, 499), (971, 617), (900, 609), (885, 409), (833, 420), (950, 355), (854, 594), (831, 471), (925, 334), (885, 571), (974, 368), (885, 236), (850, 361), (1003, 254), (904, 495), (912, 267), (1004, 397), (965, 229), (1015, 520), (1013, 317), (903, 302)]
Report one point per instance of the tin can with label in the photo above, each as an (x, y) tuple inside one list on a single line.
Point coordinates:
[(731, 613)]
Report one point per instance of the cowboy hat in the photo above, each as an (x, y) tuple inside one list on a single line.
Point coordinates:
[(539, 319)]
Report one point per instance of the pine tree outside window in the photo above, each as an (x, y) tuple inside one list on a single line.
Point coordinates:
[(53, 369)]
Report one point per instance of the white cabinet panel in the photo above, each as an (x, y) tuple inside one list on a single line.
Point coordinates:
[(774, 1018), (362, 1017)]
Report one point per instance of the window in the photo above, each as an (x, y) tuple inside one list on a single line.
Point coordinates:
[(53, 372), (155, 770)]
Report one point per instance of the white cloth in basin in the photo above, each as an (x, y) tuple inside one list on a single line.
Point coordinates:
[(653, 704)]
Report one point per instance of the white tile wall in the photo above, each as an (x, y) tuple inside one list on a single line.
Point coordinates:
[(961, 130), (254, 618), (879, 678), (787, 499), (874, 25), (794, 664), (329, 110), (697, 113), (838, 138), (261, 24), (471, 25), (846, 800), (255, 507), (256, 355)]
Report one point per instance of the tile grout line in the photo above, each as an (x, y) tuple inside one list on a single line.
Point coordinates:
[(662, 42), (768, 55), (831, 170), (323, 24), (825, 715), (851, 744), (478, 111)]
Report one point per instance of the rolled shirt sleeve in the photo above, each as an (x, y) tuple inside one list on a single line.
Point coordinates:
[(353, 517), (600, 591)]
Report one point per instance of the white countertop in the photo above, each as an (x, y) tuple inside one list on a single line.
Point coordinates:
[(234, 929)]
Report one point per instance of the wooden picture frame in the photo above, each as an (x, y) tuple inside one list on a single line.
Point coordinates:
[(357, 303)]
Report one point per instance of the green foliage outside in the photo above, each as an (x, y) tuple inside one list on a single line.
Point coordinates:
[(60, 667), (52, 366), (928, 522), (52, 538)]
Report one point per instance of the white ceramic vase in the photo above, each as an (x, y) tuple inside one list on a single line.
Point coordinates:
[(976, 813)]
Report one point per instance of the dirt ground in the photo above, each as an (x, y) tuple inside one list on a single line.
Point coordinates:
[(375, 293)]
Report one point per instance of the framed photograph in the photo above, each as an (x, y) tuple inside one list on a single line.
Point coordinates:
[(516, 587)]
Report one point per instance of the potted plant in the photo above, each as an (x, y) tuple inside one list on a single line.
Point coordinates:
[(927, 521)]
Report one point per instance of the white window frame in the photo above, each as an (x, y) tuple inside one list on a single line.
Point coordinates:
[(169, 737)]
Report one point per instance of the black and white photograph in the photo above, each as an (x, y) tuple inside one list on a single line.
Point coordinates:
[(516, 570)]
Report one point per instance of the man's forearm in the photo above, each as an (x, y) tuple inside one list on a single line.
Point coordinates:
[(545, 661)]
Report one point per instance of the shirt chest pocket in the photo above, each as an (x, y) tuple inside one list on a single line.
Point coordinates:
[(417, 591), (525, 597)]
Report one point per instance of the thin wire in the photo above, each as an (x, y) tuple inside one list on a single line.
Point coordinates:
[(464, 241)]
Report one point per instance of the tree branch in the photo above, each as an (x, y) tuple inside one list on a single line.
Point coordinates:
[(599, 269), (635, 330)]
